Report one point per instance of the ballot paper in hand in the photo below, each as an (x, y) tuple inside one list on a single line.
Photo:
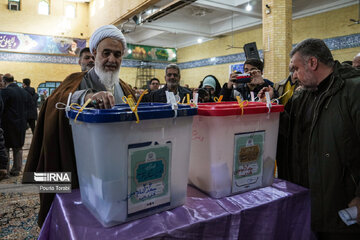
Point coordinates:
[(348, 215)]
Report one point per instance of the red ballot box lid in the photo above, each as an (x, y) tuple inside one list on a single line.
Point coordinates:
[(234, 108)]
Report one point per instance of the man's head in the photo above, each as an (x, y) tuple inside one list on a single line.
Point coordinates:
[(108, 45), (86, 59), (311, 62), (172, 76), (253, 64), (356, 61), (154, 84), (7, 79), (254, 67), (26, 82)]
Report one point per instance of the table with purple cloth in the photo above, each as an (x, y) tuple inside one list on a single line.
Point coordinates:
[(280, 211)]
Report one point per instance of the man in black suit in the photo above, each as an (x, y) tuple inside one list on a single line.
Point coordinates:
[(13, 120), (3, 154), (172, 79), (32, 112)]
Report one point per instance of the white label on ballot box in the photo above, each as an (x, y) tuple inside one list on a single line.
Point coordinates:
[(148, 176), (248, 161)]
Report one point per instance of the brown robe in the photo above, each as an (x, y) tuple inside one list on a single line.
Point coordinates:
[(52, 148)]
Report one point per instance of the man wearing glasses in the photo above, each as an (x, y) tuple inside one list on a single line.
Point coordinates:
[(172, 79)]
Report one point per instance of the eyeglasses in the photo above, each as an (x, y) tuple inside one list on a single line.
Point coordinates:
[(173, 74), (106, 53)]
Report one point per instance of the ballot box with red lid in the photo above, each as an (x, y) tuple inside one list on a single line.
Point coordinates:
[(233, 147)]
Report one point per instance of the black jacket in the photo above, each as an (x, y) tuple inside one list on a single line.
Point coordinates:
[(3, 154), (32, 103), (333, 164), (14, 117), (160, 95)]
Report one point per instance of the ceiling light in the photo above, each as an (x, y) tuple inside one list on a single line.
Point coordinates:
[(129, 51), (248, 7), (199, 40)]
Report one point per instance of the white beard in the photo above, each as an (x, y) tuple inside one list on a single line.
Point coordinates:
[(107, 78)]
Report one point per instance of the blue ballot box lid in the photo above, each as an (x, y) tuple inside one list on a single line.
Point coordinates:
[(122, 112)]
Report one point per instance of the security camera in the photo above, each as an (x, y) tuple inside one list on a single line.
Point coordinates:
[(267, 10)]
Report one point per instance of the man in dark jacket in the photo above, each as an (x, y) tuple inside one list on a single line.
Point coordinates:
[(32, 112), (154, 84), (172, 79), (3, 154), (13, 120), (320, 130), (86, 59), (231, 89)]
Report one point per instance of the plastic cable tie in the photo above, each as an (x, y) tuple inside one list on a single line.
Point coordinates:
[(268, 101), (276, 101), (171, 100), (67, 108), (195, 98), (252, 96)]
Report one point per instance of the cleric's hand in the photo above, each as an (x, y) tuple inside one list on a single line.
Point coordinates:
[(102, 100)]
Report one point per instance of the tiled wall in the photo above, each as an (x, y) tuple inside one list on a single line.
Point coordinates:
[(55, 24), (277, 38), (197, 61)]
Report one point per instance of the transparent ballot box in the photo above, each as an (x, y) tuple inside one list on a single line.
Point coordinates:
[(129, 170), (233, 147)]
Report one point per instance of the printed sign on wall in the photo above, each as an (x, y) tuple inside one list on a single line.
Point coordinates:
[(149, 53), (29, 43), (237, 67)]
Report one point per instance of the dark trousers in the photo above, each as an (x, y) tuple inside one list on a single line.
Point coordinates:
[(17, 157), (31, 123), (4, 161)]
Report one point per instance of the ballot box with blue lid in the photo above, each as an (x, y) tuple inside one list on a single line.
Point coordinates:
[(233, 146), (129, 170)]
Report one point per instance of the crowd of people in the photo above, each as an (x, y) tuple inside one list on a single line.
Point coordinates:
[(18, 111), (319, 131)]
